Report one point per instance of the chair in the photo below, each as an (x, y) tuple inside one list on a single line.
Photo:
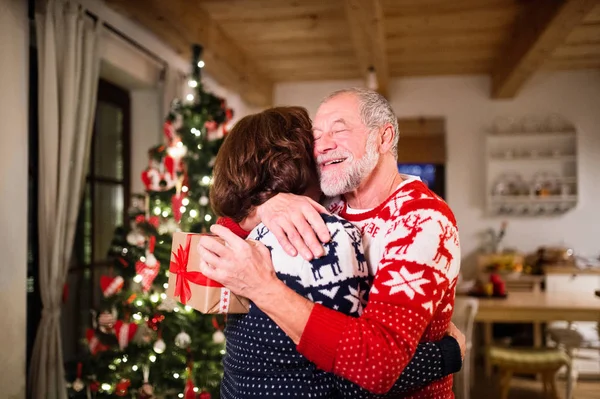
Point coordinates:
[(463, 317), (544, 361), (570, 340)]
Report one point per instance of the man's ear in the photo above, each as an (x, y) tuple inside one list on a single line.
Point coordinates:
[(386, 138)]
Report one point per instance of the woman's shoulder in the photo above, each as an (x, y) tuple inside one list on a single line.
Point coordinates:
[(336, 223), (332, 221)]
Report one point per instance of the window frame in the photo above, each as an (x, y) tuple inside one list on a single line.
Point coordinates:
[(120, 97)]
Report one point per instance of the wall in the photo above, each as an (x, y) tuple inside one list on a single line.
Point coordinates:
[(14, 64), (468, 109)]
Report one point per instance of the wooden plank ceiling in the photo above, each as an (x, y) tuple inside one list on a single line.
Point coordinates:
[(251, 44)]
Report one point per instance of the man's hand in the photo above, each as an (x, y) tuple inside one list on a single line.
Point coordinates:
[(455, 333), (294, 220), (244, 267)]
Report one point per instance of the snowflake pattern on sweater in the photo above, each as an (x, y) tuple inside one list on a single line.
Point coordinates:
[(412, 249), (262, 361)]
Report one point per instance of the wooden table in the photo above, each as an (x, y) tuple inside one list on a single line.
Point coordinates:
[(529, 307)]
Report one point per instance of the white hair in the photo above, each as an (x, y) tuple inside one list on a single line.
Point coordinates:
[(375, 110)]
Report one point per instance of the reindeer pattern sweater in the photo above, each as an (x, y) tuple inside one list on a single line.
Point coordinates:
[(412, 247), (261, 361)]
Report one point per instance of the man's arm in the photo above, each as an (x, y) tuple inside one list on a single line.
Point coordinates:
[(431, 362)]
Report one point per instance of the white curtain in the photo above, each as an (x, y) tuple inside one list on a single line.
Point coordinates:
[(68, 56)]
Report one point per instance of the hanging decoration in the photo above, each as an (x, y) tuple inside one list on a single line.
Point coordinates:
[(149, 267)]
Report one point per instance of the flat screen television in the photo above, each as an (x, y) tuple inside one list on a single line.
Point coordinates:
[(433, 175)]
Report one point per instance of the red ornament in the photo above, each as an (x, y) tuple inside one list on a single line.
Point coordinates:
[(94, 343), (188, 392), (122, 387), (94, 386), (169, 131), (125, 333), (149, 178), (153, 220), (149, 268), (155, 180), (176, 203), (111, 285), (211, 126), (155, 321), (204, 395)]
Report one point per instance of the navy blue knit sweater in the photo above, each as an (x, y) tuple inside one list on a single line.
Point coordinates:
[(261, 361)]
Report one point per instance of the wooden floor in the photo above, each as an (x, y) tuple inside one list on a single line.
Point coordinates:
[(524, 388)]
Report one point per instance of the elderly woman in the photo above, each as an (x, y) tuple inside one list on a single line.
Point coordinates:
[(268, 153)]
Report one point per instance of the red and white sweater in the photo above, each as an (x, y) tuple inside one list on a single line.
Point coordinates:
[(412, 247)]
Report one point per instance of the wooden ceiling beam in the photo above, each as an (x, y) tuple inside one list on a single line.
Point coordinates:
[(367, 29), (181, 24), (545, 26)]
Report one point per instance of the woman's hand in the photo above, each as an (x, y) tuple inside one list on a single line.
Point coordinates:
[(455, 333), (244, 267), (296, 222)]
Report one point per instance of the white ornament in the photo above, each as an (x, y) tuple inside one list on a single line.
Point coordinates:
[(177, 151), (218, 337), (183, 340), (170, 226), (160, 346), (203, 201), (150, 259), (136, 238), (168, 304), (78, 385)]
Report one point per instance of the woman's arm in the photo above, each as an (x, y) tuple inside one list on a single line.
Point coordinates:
[(432, 361)]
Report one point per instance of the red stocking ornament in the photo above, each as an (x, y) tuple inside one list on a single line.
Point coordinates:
[(188, 392), (125, 333), (150, 268), (111, 285), (176, 204), (94, 343)]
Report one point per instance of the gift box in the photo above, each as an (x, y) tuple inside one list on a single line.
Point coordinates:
[(190, 287)]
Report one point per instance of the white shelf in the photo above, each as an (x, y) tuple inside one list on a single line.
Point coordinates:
[(531, 157), (549, 158), (533, 134), (525, 199)]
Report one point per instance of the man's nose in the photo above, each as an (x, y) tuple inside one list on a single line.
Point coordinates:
[(324, 144)]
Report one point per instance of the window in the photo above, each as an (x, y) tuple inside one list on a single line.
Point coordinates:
[(103, 208)]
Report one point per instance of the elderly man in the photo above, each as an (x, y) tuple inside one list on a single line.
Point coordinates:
[(410, 238)]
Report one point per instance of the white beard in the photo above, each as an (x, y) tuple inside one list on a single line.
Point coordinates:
[(337, 182)]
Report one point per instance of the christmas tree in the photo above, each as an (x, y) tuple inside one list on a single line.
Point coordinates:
[(141, 343)]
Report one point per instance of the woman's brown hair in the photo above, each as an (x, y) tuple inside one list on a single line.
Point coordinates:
[(264, 154)]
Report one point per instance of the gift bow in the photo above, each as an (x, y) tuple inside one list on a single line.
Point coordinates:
[(184, 277)]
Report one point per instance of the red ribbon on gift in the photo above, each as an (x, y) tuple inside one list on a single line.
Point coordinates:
[(185, 277)]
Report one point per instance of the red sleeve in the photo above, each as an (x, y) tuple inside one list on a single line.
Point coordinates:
[(373, 350), (233, 226)]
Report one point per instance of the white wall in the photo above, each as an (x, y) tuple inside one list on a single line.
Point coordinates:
[(14, 64), (468, 109)]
